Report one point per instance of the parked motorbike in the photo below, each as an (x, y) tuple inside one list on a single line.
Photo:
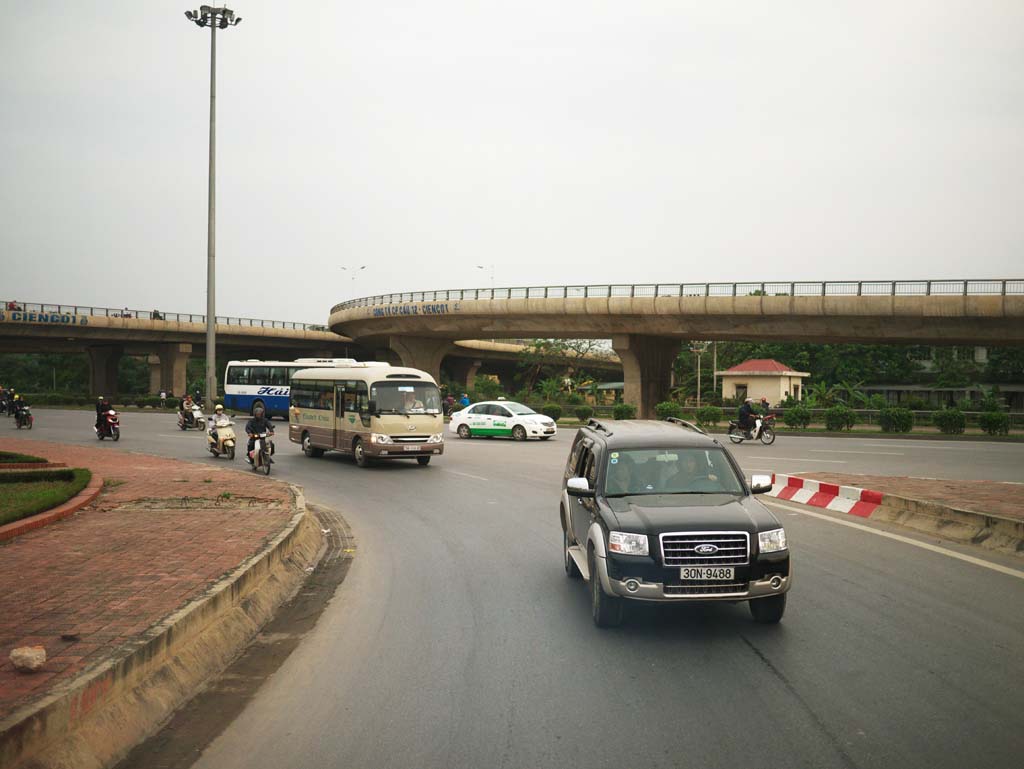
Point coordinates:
[(764, 430), (23, 418), (110, 426), (192, 418), (262, 451), (224, 444)]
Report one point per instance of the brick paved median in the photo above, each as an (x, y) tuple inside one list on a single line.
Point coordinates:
[(986, 497), (157, 537)]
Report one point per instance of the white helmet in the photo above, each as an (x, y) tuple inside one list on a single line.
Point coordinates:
[(218, 409)]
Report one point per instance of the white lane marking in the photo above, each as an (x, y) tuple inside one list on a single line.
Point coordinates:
[(804, 459), (467, 475), (917, 445), (905, 540), (872, 453)]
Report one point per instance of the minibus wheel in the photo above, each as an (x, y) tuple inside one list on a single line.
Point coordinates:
[(360, 454)]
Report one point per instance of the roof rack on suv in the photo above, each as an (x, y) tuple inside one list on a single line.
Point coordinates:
[(597, 424), (684, 423)]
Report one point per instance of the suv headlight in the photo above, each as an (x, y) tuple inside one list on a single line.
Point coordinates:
[(378, 438), (436, 438), (771, 541), (627, 544)]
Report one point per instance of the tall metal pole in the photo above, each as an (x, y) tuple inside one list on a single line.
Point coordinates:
[(211, 233), (212, 17)]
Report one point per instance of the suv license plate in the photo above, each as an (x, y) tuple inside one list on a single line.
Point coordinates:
[(706, 572), (412, 448)]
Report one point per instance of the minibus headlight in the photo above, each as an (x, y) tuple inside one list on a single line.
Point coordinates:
[(436, 438), (378, 438)]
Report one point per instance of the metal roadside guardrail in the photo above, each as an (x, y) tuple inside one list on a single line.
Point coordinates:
[(126, 312), (606, 290)]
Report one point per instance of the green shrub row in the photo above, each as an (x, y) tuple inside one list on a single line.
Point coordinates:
[(583, 413), (797, 416), (668, 409), (624, 411), (12, 457), (552, 410), (840, 418), (994, 422), (950, 421), (896, 419), (708, 416), (33, 476)]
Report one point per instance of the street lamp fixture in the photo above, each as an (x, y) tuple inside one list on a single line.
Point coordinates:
[(208, 16)]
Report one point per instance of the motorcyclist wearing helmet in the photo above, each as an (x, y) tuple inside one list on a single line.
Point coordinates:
[(746, 415), (186, 409), (102, 407), (218, 416), (18, 405), (254, 427)]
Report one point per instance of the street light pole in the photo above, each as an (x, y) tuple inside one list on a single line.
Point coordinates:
[(208, 16)]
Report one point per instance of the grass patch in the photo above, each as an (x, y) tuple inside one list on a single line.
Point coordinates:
[(39, 491), (12, 457)]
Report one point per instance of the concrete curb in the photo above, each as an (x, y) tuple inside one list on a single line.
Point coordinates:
[(993, 532), (93, 720), (37, 521)]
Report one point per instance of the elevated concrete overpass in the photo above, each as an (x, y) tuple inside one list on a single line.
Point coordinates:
[(169, 339), (646, 322)]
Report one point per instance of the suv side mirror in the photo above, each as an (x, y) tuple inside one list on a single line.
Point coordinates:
[(759, 484), (578, 487)]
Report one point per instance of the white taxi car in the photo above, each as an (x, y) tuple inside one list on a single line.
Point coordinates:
[(505, 418)]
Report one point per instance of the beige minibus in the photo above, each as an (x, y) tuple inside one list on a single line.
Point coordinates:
[(369, 410)]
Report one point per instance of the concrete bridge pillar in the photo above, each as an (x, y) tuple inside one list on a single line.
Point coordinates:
[(173, 359), (647, 369), (154, 374), (103, 363), (464, 370), (421, 352)]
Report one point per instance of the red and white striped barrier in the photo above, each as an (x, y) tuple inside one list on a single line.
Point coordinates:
[(842, 499)]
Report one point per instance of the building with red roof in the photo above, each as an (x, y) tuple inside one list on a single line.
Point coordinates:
[(762, 377)]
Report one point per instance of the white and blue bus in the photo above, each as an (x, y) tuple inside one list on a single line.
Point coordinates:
[(251, 383)]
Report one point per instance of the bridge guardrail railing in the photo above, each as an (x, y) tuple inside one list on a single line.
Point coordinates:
[(178, 317), (998, 287)]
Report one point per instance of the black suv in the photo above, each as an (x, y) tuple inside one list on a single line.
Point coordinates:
[(659, 511)]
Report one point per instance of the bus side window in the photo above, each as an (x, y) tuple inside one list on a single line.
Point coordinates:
[(350, 397), (259, 375), (325, 396), (362, 398), (278, 376), (238, 375), (339, 400)]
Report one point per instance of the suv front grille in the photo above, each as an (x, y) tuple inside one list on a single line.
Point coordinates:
[(707, 588), (679, 548)]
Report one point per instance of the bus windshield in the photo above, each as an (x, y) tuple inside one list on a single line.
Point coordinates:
[(406, 397)]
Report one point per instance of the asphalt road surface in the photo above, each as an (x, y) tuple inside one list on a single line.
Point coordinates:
[(457, 641)]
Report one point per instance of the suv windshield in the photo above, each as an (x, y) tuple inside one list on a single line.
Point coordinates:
[(670, 471), (406, 397)]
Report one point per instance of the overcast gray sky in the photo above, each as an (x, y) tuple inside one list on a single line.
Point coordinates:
[(559, 141)]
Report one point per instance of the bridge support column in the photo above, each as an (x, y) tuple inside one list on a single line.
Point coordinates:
[(172, 367), (154, 374), (103, 362), (421, 352), (464, 371), (647, 369)]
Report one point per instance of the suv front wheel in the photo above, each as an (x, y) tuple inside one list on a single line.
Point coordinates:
[(606, 609), (768, 611)]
